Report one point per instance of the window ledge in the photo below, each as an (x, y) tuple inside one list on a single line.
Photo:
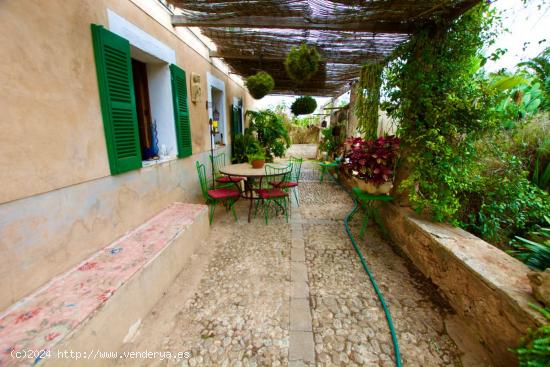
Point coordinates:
[(158, 161)]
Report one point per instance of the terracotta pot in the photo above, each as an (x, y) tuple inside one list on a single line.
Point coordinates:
[(382, 189), (258, 163)]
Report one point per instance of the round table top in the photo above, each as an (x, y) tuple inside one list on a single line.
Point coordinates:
[(246, 170)]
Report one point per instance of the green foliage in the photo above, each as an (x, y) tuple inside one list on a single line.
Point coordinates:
[(304, 121), (258, 156), (443, 105), (501, 201), (244, 145), (303, 105), (260, 84), (329, 143), (368, 99), (540, 65), (534, 349), (302, 63), (271, 132), (534, 251)]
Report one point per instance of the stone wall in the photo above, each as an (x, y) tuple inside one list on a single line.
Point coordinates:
[(487, 288)]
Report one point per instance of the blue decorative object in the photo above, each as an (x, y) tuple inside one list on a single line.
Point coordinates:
[(154, 132), (153, 151)]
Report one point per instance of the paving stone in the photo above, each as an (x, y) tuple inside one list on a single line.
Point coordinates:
[(301, 346), (297, 254), (298, 271), (258, 288), (299, 290), (300, 315)]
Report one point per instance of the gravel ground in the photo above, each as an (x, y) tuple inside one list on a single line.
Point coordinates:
[(230, 306)]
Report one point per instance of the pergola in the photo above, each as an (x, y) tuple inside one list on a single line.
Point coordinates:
[(256, 35)]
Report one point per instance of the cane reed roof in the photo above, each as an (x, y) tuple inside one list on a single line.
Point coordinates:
[(257, 34)]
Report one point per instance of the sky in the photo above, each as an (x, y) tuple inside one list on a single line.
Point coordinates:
[(525, 23)]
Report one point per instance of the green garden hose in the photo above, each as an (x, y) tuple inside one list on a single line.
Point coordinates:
[(371, 277)]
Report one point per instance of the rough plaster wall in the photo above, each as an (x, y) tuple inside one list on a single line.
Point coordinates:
[(52, 130), (44, 235), (60, 203)]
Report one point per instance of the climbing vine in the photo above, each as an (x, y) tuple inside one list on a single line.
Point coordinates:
[(368, 99), (443, 104)]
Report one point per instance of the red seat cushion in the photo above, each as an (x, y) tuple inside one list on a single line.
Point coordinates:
[(271, 193), (223, 193), (226, 179), (284, 184)]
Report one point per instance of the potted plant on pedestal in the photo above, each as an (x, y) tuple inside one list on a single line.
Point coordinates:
[(371, 163)]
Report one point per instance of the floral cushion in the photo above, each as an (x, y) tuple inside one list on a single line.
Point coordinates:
[(271, 193), (223, 193), (225, 179), (44, 318)]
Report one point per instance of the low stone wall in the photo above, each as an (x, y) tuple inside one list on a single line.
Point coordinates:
[(308, 151), (487, 288)]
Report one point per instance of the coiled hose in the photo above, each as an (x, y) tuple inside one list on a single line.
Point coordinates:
[(371, 277)]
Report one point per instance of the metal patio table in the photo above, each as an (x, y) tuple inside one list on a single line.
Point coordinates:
[(251, 174)]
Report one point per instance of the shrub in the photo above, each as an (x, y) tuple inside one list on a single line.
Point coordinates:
[(303, 105), (244, 145), (501, 200), (534, 251), (534, 349), (271, 132), (302, 63), (260, 84)]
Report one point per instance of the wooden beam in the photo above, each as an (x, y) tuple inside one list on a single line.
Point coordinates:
[(327, 59), (290, 23)]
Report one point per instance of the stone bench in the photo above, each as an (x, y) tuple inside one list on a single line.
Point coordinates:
[(100, 302)]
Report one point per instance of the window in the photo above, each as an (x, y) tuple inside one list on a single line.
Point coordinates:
[(149, 150), (130, 100)]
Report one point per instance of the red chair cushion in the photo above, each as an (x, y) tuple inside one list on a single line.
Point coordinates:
[(271, 193), (284, 184), (223, 193), (226, 179)]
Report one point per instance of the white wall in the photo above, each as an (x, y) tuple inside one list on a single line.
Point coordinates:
[(160, 95)]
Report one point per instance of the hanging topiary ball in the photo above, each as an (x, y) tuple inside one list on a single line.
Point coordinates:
[(303, 105), (260, 84), (302, 63)]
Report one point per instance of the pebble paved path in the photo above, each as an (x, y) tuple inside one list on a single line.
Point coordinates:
[(296, 294)]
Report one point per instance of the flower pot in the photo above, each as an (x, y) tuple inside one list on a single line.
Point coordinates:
[(382, 189), (258, 163)]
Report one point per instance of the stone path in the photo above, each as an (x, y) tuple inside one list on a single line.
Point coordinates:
[(295, 294)]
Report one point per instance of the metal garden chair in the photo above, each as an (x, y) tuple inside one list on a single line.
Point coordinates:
[(226, 197), (294, 178), (276, 191), (224, 181)]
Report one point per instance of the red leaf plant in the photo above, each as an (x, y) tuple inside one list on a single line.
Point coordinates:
[(372, 160)]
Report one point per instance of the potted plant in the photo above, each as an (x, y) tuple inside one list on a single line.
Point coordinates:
[(260, 84), (302, 63), (371, 163), (257, 160), (303, 106)]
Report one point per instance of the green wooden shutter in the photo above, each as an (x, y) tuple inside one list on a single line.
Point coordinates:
[(234, 121), (118, 105), (181, 112)]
